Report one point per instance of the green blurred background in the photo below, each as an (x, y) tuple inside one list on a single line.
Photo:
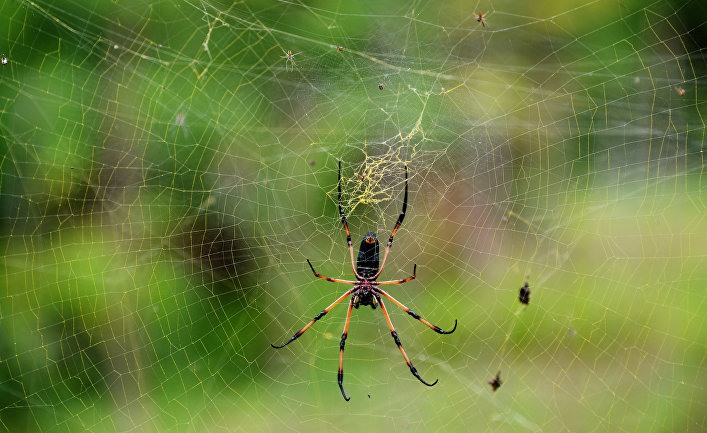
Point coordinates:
[(166, 173)]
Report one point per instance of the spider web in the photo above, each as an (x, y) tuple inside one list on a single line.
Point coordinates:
[(167, 171)]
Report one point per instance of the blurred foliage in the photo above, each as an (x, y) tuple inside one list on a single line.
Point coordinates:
[(159, 199)]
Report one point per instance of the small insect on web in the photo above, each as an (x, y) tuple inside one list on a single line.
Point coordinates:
[(3, 60), (496, 382), (366, 289), (481, 18), (289, 60), (180, 122), (524, 294)]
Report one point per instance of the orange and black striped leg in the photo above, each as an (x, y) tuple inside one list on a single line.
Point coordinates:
[(401, 281), (413, 370), (346, 228), (435, 328), (317, 317), (398, 223), (333, 280), (345, 334)]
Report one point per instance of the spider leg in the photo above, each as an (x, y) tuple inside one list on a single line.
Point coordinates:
[(413, 370), (435, 328), (398, 223), (317, 317), (345, 334), (401, 281), (346, 229), (332, 280)]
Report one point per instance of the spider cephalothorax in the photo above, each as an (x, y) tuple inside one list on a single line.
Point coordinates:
[(364, 296), (366, 289)]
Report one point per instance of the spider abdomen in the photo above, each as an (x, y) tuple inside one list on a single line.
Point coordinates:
[(367, 263)]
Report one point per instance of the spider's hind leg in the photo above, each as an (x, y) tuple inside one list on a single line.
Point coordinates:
[(313, 321), (344, 335), (413, 370), (414, 315)]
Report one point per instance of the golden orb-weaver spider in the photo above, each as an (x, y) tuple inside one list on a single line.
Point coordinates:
[(366, 289)]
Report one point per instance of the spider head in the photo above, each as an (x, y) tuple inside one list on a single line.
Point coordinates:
[(367, 263)]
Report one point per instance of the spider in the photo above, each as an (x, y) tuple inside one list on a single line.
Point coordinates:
[(180, 122), (289, 59), (496, 382), (366, 289), (481, 18), (524, 294)]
